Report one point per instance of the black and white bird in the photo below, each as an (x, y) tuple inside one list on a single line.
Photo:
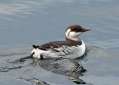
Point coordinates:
[(72, 47)]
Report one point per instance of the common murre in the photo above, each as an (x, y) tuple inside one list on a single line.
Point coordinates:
[(71, 47)]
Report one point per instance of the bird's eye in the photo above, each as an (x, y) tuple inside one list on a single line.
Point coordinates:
[(75, 30)]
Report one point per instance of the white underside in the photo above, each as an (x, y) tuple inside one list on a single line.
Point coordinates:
[(64, 51)]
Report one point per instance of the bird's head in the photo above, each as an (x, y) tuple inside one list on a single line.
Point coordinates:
[(74, 31)]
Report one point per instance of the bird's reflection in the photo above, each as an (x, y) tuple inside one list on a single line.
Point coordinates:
[(68, 67)]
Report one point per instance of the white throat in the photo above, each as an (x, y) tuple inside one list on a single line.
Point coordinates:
[(72, 35)]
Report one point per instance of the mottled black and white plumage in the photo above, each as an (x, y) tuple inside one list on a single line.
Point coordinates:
[(57, 44), (71, 47)]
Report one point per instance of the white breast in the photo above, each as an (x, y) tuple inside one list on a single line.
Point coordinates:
[(75, 51), (80, 50)]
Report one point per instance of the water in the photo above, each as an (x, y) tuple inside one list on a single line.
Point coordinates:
[(27, 22)]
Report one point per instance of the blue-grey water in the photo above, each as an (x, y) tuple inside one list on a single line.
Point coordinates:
[(27, 22)]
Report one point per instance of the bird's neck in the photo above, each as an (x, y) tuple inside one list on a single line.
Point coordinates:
[(74, 42)]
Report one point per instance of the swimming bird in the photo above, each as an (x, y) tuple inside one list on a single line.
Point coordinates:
[(72, 47)]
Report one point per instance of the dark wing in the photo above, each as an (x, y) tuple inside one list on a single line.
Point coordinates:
[(52, 45)]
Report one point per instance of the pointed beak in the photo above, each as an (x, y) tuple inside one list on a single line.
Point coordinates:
[(85, 30)]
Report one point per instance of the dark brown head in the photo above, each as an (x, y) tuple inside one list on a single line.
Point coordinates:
[(77, 28), (73, 32)]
